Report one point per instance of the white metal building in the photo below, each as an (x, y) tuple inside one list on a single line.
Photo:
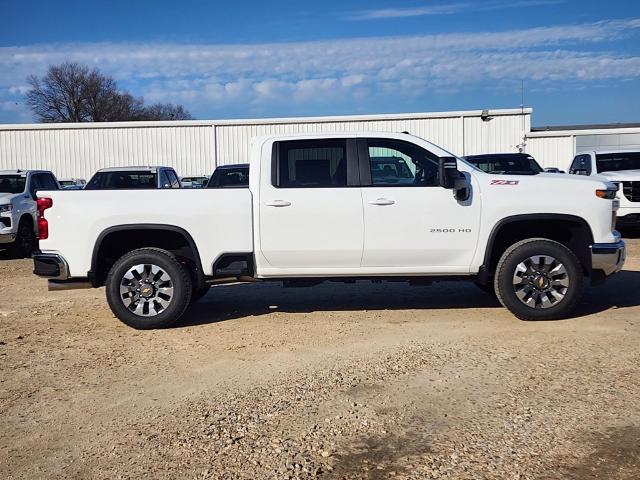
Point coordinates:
[(197, 147)]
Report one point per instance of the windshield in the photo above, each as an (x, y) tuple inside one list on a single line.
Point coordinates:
[(12, 183), (229, 178), (613, 162), (506, 164), (122, 180)]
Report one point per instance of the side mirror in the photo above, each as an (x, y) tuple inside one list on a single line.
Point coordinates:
[(448, 172), (453, 179)]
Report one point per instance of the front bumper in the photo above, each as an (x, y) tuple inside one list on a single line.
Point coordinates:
[(50, 265), (608, 257), (7, 238)]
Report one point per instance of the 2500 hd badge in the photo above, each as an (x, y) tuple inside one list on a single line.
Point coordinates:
[(450, 230)]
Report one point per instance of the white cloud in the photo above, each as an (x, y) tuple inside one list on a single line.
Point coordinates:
[(446, 9), (342, 71)]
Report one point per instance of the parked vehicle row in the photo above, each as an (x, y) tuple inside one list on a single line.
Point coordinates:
[(337, 207)]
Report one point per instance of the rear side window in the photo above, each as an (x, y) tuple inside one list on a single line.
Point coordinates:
[(122, 181), (311, 163)]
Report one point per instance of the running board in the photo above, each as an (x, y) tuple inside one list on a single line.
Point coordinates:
[(57, 285)]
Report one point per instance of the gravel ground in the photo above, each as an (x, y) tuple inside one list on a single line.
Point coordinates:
[(336, 381)]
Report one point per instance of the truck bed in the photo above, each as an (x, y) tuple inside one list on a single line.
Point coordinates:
[(219, 221)]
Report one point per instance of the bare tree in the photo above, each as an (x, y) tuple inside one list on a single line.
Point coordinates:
[(57, 97), (165, 111), (72, 93)]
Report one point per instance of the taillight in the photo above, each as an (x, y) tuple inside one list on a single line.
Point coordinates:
[(43, 225)]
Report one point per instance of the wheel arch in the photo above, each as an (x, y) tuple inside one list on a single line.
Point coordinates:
[(170, 237), (571, 230)]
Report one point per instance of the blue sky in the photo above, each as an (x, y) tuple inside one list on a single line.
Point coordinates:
[(580, 60)]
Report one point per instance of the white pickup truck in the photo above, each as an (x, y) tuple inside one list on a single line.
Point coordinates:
[(622, 168), (340, 207)]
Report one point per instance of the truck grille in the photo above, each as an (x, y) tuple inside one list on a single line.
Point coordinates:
[(631, 190)]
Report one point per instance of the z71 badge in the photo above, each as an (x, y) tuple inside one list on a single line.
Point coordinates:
[(504, 182)]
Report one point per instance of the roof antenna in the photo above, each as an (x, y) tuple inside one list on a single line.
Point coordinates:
[(523, 145)]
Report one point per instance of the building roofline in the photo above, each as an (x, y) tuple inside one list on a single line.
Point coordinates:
[(266, 121), (595, 126)]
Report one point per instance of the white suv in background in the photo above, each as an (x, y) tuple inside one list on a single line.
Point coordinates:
[(18, 207), (621, 167)]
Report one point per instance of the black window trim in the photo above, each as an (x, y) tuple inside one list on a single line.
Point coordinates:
[(353, 175), (365, 162)]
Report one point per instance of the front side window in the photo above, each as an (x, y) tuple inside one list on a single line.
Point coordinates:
[(48, 182), (581, 165), (311, 163), (396, 164), (173, 179), (122, 181), (614, 162), (12, 183)]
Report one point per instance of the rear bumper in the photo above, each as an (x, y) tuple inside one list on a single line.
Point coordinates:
[(50, 265), (608, 257)]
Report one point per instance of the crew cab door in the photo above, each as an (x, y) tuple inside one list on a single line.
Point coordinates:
[(310, 205), (411, 223)]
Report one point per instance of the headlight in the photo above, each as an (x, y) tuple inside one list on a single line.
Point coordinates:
[(5, 208)]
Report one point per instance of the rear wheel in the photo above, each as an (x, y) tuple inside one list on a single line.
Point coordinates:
[(539, 279), (148, 288), (25, 242)]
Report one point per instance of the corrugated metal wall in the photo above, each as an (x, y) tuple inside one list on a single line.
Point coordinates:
[(195, 148), (79, 152), (552, 151)]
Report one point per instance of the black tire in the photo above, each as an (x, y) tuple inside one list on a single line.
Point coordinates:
[(537, 304), (156, 316), (25, 242), (198, 293)]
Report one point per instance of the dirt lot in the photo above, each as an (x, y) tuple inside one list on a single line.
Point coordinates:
[(336, 381)]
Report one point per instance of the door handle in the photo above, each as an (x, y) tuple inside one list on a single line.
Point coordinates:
[(381, 201), (278, 203)]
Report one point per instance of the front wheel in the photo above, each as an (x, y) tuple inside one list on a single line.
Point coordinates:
[(25, 242), (148, 288), (539, 279)]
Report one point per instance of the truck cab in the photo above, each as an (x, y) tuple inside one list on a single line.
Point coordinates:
[(18, 207), (621, 167)]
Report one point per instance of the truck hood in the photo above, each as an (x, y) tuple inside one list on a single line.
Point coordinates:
[(621, 175), (7, 197)]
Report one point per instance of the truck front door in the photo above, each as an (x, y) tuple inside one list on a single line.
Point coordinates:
[(411, 223)]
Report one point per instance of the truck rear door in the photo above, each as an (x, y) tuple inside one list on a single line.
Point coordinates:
[(311, 205)]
